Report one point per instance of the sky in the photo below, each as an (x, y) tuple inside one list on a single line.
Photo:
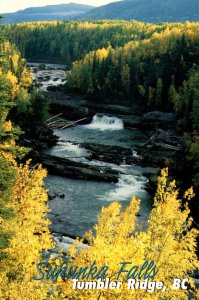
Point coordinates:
[(14, 5)]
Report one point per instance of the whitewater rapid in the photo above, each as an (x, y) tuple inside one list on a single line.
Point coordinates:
[(78, 211), (103, 122)]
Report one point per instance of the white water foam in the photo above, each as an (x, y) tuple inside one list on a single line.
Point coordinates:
[(69, 147), (135, 154), (69, 150), (127, 186), (49, 78), (103, 122), (64, 243)]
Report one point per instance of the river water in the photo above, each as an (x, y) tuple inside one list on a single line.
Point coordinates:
[(78, 211)]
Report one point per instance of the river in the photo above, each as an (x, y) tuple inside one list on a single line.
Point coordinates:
[(77, 212)]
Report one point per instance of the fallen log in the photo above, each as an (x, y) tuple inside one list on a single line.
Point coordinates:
[(61, 123), (163, 145), (166, 139), (58, 120), (71, 124), (54, 117)]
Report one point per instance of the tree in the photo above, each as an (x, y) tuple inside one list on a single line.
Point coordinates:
[(174, 98), (7, 164), (39, 108), (192, 143), (169, 241), (23, 101), (24, 232), (30, 238), (159, 93), (126, 80)]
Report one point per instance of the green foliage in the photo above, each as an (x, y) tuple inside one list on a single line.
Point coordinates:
[(193, 88), (7, 180), (192, 143), (8, 134), (39, 108), (69, 41), (7, 177), (23, 101), (159, 92), (4, 243), (5, 99), (144, 70), (189, 110)]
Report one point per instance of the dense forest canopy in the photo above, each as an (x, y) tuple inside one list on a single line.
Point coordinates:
[(141, 70), (69, 41)]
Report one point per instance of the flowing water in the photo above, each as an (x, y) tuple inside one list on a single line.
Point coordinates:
[(78, 211), (101, 122), (52, 75)]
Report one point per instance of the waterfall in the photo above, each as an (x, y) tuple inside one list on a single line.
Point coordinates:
[(103, 122)]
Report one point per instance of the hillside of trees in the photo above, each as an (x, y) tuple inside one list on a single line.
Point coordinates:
[(47, 13), (160, 72), (24, 232), (140, 67), (147, 11), (69, 41)]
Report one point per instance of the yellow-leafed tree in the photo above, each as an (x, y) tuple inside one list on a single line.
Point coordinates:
[(30, 237), (24, 232), (169, 241)]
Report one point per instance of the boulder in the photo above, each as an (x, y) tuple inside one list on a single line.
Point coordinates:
[(71, 169), (112, 154)]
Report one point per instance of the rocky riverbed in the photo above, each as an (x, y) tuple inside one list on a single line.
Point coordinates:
[(104, 158)]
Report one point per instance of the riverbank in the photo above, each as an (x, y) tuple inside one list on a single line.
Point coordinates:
[(105, 157)]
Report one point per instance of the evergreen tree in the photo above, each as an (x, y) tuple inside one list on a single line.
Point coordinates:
[(159, 93)]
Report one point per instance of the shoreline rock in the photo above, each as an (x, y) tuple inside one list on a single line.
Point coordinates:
[(110, 154), (75, 170)]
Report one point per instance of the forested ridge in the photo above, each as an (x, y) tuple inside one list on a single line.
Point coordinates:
[(71, 40)]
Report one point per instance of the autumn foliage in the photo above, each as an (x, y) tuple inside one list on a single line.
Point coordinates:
[(169, 240), (30, 236), (24, 232)]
